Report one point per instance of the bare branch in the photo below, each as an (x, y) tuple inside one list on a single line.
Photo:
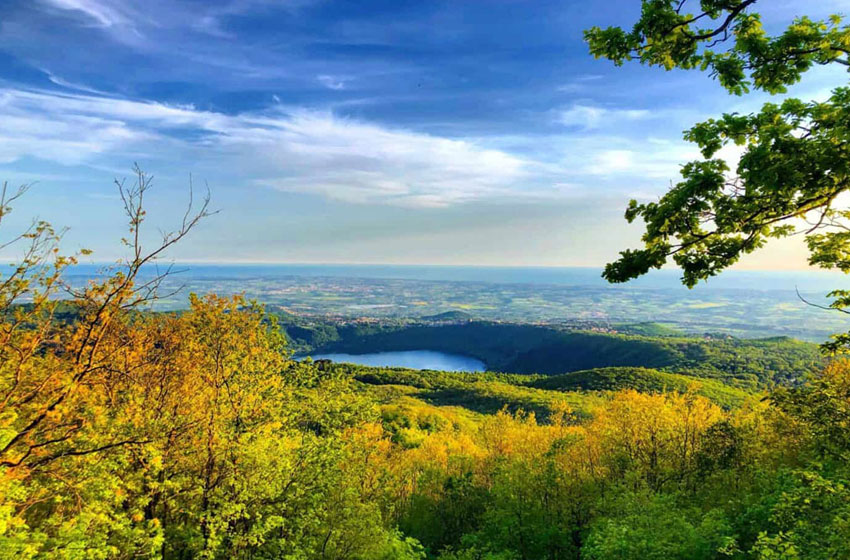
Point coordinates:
[(824, 307)]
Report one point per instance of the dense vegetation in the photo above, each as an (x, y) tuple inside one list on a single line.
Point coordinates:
[(646, 381), (206, 441), (486, 393), (520, 348), (793, 169), (126, 433), (130, 434)]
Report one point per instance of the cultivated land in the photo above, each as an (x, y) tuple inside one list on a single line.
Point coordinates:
[(746, 312)]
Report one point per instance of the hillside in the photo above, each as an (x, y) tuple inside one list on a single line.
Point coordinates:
[(489, 392), (649, 329), (484, 393), (519, 348), (644, 380), (456, 316)]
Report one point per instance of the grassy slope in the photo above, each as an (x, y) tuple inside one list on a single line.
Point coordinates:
[(484, 393), (487, 393), (644, 380)]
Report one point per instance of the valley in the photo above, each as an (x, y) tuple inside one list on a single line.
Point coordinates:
[(551, 350), (744, 304), (439, 280)]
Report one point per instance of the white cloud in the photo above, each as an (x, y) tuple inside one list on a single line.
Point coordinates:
[(296, 150), (659, 163), (120, 17), (68, 138), (362, 162), (625, 164), (579, 83), (100, 12), (589, 117), (332, 82), (615, 161)]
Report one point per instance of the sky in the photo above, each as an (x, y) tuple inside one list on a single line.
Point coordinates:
[(459, 132)]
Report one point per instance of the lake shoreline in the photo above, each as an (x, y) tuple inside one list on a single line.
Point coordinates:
[(410, 359)]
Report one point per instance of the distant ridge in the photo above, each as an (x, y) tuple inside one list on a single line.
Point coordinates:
[(449, 316)]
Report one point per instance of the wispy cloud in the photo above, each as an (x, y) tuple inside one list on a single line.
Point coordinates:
[(104, 13), (332, 82), (625, 165), (71, 85), (360, 162), (294, 150), (590, 117), (29, 129), (580, 83), (120, 16), (299, 150)]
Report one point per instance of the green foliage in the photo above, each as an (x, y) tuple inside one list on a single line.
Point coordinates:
[(795, 157), (449, 316), (646, 381), (485, 393), (822, 408), (656, 527), (129, 434), (532, 512), (650, 329), (808, 518), (531, 349), (670, 36), (445, 509), (794, 163), (252, 455)]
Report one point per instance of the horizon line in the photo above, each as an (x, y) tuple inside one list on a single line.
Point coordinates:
[(436, 265)]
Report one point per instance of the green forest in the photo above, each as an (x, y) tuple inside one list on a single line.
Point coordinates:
[(196, 435), (522, 348), (127, 433)]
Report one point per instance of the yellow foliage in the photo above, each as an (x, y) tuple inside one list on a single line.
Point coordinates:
[(659, 434)]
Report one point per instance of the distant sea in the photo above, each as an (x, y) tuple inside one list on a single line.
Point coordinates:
[(813, 281)]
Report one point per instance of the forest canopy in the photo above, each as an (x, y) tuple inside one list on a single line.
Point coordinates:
[(794, 162), (127, 433)]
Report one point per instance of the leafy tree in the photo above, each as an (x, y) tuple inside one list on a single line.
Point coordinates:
[(653, 440), (66, 410), (821, 411), (809, 519), (646, 527), (795, 160), (126, 433)]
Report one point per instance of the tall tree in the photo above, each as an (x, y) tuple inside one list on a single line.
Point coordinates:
[(796, 153)]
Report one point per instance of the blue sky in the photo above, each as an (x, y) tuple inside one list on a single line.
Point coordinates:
[(475, 132)]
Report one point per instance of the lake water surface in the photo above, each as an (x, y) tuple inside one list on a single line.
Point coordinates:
[(413, 359)]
